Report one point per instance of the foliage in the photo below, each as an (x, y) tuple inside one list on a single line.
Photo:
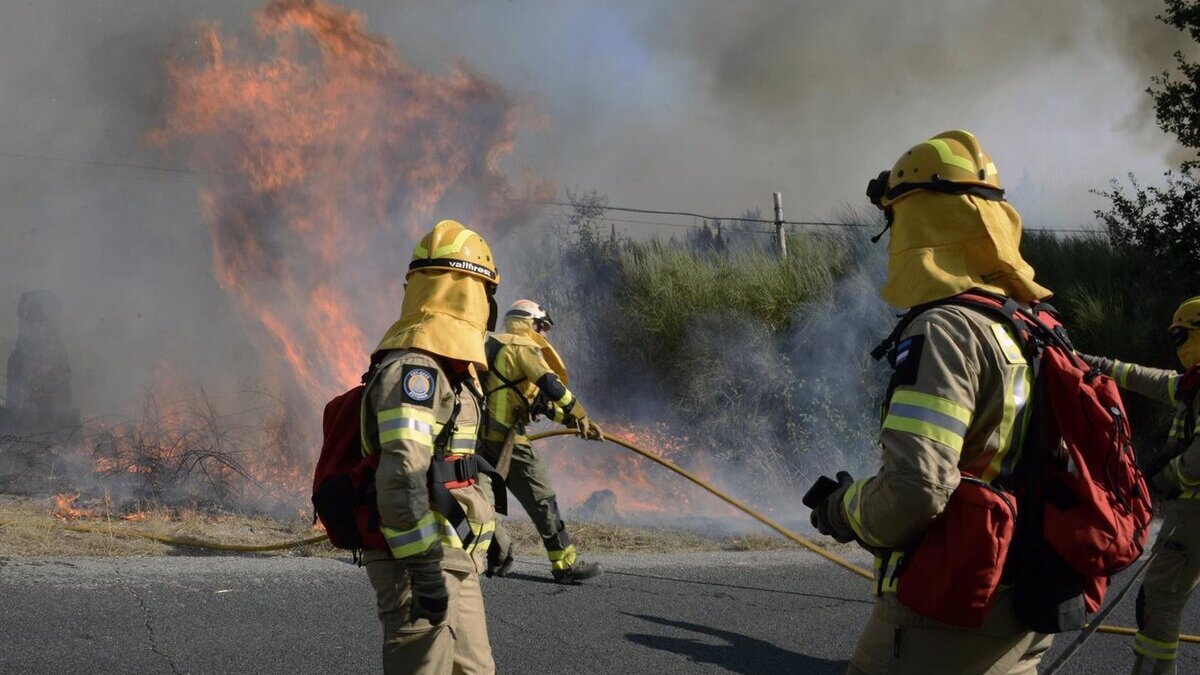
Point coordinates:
[(763, 363), (1175, 100), (1112, 310), (759, 361), (1164, 222)]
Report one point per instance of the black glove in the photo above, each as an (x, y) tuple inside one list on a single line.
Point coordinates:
[(540, 407), (827, 514), (1162, 486), (429, 595), (1153, 467)]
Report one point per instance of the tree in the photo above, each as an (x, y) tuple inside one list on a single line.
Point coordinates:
[(1163, 223)]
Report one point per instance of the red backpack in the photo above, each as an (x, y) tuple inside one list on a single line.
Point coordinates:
[(1084, 508), (344, 479)]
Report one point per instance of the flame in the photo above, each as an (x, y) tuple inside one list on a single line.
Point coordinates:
[(640, 487), (324, 153), (65, 509)]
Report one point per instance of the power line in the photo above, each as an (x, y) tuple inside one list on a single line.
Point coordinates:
[(623, 209), (811, 223)]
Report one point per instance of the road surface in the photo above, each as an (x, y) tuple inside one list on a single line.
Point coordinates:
[(774, 612)]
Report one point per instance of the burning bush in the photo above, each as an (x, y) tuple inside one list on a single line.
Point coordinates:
[(200, 450)]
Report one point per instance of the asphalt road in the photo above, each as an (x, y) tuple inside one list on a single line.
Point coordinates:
[(779, 612)]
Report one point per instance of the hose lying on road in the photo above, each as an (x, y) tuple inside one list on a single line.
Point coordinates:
[(191, 542), (792, 536), (739, 505)]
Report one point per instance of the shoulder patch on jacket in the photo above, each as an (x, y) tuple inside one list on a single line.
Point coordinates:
[(906, 359), (1010, 348), (418, 384)]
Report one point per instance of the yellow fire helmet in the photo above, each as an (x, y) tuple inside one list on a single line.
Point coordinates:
[(527, 318), (1185, 331), (449, 298), (952, 230), (952, 162)]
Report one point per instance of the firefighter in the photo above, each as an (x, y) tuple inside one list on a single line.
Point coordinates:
[(956, 401), (1175, 474), (527, 378), (421, 411)]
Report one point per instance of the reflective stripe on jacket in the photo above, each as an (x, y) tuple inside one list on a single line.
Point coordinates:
[(958, 403), (404, 410)]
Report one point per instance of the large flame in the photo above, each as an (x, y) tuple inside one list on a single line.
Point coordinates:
[(324, 152)]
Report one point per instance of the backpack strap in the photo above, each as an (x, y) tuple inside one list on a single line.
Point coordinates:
[(493, 348), (976, 298)]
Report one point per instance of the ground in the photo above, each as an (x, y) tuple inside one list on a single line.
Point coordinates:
[(670, 601), (44, 527), (783, 611)]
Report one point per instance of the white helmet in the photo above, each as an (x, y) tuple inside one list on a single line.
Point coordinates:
[(528, 309)]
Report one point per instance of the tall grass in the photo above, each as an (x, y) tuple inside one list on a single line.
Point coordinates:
[(762, 361), (665, 290)]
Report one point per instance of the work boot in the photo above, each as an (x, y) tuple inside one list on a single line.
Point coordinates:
[(499, 558), (577, 572)]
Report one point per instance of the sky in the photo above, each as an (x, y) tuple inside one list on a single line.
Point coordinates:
[(696, 105)]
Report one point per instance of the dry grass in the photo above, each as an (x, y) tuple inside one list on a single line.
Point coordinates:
[(30, 528), (596, 538)]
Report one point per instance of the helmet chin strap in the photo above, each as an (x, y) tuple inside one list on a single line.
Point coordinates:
[(890, 216), (493, 312)]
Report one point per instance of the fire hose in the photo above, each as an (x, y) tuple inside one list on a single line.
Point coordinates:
[(788, 534), (190, 542), (723, 496)]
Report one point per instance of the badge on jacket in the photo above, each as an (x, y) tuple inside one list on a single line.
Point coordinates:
[(417, 384), (906, 359)]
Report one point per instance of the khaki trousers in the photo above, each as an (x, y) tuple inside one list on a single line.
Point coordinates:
[(529, 481), (898, 641), (459, 645), (1170, 580)]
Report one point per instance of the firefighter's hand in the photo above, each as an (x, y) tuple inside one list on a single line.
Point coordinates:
[(1161, 484), (576, 417), (589, 429), (827, 516), (429, 595), (540, 407)]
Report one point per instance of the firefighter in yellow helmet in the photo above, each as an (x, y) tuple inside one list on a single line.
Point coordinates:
[(956, 402), (527, 378), (1174, 473), (421, 412)]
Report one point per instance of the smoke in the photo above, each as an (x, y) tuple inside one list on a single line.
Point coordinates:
[(671, 104)]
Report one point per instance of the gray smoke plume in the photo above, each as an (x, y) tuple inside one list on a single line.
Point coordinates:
[(706, 106)]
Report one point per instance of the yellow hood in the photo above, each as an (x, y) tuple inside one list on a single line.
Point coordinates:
[(523, 326), (1189, 351), (444, 313), (942, 245)]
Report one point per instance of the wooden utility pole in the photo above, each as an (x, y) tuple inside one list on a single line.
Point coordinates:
[(779, 233)]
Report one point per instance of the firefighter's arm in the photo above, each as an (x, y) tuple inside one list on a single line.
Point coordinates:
[(922, 436), (565, 408), (1183, 472), (1156, 383), (406, 422)]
